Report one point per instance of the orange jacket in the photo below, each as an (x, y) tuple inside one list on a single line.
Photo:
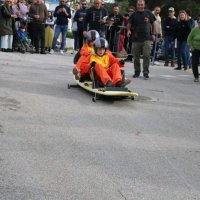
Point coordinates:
[(85, 51), (106, 61)]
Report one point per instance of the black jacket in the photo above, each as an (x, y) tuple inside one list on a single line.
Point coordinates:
[(170, 25), (62, 18), (79, 14), (118, 20), (182, 31), (92, 18)]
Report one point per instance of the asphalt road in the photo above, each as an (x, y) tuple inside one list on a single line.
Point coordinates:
[(56, 144)]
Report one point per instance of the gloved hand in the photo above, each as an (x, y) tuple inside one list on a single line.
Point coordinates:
[(122, 62), (93, 64)]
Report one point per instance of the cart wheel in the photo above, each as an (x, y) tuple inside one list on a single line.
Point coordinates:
[(94, 99), (132, 98), (68, 86)]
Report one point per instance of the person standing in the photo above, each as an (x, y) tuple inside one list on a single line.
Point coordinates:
[(79, 18), (49, 31), (182, 32), (21, 10), (170, 25), (128, 40), (156, 13), (191, 22), (194, 43), (63, 14), (75, 27), (95, 19), (143, 24), (38, 12), (7, 26), (114, 31)]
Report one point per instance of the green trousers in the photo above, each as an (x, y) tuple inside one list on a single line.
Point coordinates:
[(145, 49)]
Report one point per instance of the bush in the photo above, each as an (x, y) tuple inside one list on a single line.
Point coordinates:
[(69, 34)]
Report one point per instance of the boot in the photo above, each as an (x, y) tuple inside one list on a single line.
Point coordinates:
[(166, 64), (172, 63)]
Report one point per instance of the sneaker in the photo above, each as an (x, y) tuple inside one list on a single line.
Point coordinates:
[(127, 81), (37, 51), (196, 80), (109, 83), (156, 63), (146, 76), (136, 75), (166, 64), (185, 68), (177, 68), (52, 51), (42, 52), (61, 52), (76, 73), (172, 64), (118, 84)]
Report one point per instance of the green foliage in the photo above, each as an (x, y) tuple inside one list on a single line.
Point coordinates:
[(123, 4), (193, 5), (69, 34)]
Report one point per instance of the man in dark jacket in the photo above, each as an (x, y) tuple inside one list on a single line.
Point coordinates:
[(113, 32), (170, 25), (96, 18), (79, 18), (62, 13), (38, 12)]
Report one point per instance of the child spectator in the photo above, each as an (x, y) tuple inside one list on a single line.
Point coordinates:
[(24, 37), (49, 31)]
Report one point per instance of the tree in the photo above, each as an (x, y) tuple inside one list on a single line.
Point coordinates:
[(193, 5)]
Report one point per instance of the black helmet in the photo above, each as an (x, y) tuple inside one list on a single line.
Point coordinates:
[(100, 43), (92, 35)]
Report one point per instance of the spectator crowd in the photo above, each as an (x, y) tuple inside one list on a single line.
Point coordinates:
[(137, 32)]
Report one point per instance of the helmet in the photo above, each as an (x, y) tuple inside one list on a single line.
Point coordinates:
[(100, 43), (92, 35)]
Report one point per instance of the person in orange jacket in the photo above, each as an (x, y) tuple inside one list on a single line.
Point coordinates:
[(106, 66), (86, 50)]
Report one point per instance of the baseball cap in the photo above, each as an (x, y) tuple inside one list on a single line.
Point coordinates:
[(171, 9)]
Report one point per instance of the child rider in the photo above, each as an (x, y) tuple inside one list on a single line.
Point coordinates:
[(86, 50), (107, 67)]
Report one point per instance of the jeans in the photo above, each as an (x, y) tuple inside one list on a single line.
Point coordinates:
[(6, 41), (188, 57), (181, 49), (169, 45), (76, 40), (60, 29)]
